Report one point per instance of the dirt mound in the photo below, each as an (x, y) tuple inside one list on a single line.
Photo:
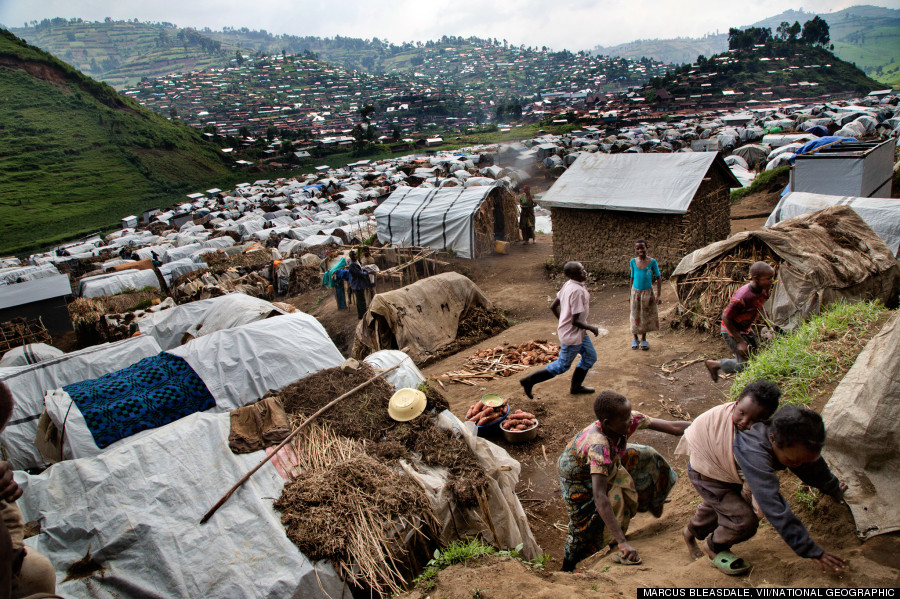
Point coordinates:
[(363, 416)]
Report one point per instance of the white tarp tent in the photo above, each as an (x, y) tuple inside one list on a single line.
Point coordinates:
[(113, 283), (203, 317), (439, 218), (237, 366), (29, 383), (654, 183), (882, 214), (30, 353), (137, 509)]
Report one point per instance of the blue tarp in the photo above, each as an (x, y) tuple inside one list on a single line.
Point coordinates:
[(818, 131), (822, 141)]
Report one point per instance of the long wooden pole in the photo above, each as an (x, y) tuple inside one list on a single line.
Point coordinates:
[(293, 434)]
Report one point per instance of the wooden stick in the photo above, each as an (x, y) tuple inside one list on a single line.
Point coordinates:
[(287, 440)]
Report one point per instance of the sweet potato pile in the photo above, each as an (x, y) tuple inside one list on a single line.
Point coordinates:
[(519, 421), (481, 414)]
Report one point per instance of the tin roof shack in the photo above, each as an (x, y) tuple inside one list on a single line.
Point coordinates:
[(677, 202), (43, 298), (859, 169)]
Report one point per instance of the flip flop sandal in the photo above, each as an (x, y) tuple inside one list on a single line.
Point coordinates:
[(634, 344), (619, 558), (729, 563), (645, 346)]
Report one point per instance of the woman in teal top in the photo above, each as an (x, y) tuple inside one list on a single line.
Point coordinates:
[(644, 311)]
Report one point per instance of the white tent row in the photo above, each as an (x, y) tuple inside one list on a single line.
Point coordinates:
[(882, 214), (175, 326)]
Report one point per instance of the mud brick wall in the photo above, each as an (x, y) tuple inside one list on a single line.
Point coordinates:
[(603, 240)]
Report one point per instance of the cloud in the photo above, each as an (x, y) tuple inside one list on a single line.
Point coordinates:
[(573, 25)]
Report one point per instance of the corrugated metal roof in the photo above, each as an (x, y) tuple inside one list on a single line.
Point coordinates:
[(654, 183), (37, 290)]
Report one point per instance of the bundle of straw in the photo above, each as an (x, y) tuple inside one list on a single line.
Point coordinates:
[(350, 508), (705, 292)]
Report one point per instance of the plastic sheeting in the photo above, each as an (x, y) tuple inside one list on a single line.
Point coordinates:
[(508, 519), (406, 375), (203, 317), (28, 385), (111, 284), (137, 509), (436, 218), (31, 353), (239, 365), (862, 419), (650, 183), (882, 214)]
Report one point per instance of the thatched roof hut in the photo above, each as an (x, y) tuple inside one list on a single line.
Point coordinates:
[(819, 258)]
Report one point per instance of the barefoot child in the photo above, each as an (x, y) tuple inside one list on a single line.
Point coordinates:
[(724, 517), (738, 318), (605, 480), (644, 311), (571, 307), (793, 440)]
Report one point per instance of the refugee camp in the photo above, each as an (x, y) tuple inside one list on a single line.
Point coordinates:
[(572, 337)]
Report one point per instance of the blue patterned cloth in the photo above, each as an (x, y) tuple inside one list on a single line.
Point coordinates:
[(153, 392)]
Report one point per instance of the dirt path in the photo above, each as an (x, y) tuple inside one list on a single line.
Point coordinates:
[(521, 283)]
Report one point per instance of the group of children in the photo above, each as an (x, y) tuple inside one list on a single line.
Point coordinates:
[(735, 450)]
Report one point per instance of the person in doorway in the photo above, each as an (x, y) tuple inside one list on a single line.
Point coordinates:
[(644, 305), (359, 282), (725, 515), (23, 571), (605, 480), (526, 216), (571, 307), (738, 318)]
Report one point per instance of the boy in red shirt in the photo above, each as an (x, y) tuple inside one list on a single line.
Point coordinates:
[(738, 319)]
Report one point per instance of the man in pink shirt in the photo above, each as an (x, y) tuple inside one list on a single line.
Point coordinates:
[(571, 307)]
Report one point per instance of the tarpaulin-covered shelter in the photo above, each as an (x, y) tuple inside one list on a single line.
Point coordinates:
[(863, 422), (882, 214), (604, 202), (422, 317), (465, 220), (819, 258), (29, 383), (217, 372)]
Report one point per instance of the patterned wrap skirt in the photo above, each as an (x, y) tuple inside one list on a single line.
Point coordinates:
[(641, 483), (644, 311)]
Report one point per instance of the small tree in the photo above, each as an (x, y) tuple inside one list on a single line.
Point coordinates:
[(816, 32)]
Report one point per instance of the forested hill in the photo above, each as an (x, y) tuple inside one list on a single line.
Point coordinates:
[(75, 155), (867, 36)]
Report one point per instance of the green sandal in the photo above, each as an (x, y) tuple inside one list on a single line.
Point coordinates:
[(729, 563)]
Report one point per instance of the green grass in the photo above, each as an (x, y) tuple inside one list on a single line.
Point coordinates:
[(75, 156), (461, 551), (816, 353), (764, 179)]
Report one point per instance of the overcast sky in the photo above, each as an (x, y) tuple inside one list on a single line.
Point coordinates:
[(570, 24)]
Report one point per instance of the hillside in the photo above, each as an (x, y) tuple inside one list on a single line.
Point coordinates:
[(868, 36), (771, 71), (75, 155)]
